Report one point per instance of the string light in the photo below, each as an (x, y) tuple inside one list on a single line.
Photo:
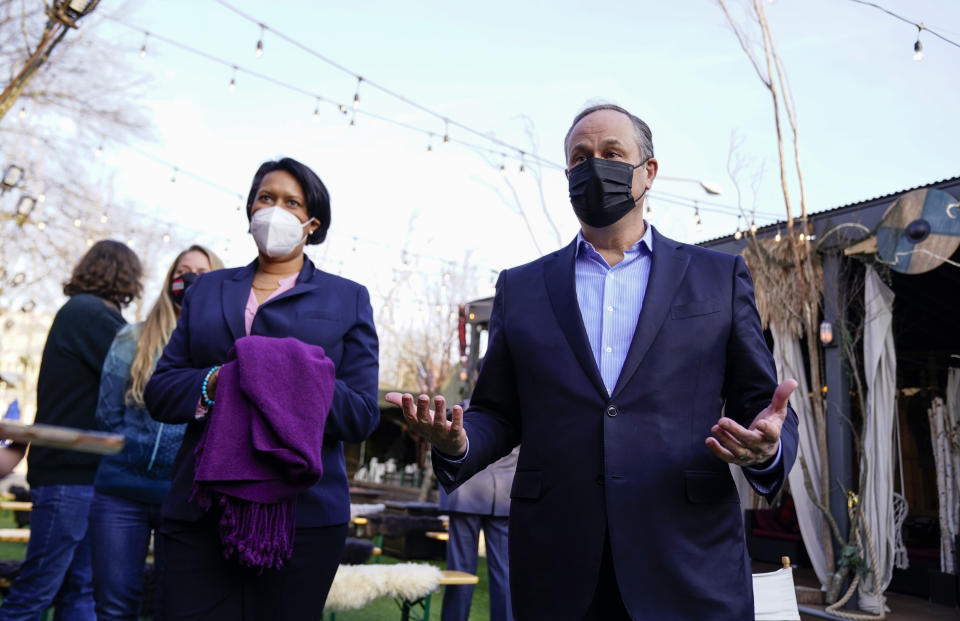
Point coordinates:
[(143, 48), (777, 237), (753, 227), (917, 46), (649, 209), (76, 222), (696, 214), (356, 95), (233, 79), (446, 131), (316, 109), (99, 150), (173, 178), (166, 238), (103, 219), (802, 237), (23, 112), (429, 142), (259, 52), (41, 225), (738, 233), (89, 241)]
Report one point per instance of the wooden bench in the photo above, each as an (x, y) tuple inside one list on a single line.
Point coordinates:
[(16, 505), (19, 535)]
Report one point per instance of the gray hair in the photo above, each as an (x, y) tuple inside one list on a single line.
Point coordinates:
[(641, 130)]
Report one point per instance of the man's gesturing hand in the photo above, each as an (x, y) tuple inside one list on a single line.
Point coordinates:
[(448, 437), (758, 444)]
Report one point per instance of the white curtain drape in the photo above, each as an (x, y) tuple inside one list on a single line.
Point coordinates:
[(953, 417), (880, 369), (789, 359)]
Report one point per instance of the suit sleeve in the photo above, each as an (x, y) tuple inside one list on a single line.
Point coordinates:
[(354, 413), (751, 378), (173, 392), (492, 421)]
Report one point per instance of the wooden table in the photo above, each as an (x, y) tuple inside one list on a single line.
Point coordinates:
[(16, 505), (19, 535), (449, 577)]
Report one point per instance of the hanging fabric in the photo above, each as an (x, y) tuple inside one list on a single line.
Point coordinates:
[(789, 360), (880, 370)]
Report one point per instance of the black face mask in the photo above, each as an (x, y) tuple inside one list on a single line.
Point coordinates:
[(601, 191), (179, 285)]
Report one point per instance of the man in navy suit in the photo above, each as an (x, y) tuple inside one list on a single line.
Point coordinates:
[(631, 369)]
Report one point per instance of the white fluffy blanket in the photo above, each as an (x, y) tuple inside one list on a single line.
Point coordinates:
[(365, 509), (355, 586)]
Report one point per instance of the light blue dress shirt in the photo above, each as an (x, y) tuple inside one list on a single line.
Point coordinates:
[(610, 300)]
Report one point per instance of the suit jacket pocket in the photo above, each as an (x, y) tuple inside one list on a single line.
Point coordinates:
[(710, 487), (692, 309), (526, 484)]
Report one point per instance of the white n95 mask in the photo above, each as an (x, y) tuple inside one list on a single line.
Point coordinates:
[(276, 231)]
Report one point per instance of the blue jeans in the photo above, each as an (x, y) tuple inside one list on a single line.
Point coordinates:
[(120, 535), (57, 567)]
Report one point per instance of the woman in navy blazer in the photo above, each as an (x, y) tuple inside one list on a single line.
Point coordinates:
[(279, 294)]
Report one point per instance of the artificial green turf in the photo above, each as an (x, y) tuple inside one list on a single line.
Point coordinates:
[(383, 609)]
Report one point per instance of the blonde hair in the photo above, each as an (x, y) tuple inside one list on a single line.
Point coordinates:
[(157, 329)]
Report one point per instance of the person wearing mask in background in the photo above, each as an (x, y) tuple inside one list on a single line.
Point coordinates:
[(131, 485), (216, 567), (57, 567)]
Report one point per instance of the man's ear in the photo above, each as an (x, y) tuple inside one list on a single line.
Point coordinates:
[(651, 166)]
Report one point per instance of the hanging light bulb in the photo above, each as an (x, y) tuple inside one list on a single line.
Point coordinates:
[(316, 109), (41, 225), (260, 43), (802, 237), (356, 94), (649, 209), (166, 238), (103, 219), (918, 47), (89, 241), (777, 237), (753, 227), (342, 108), (522, 169), (738, 233), (76, 222), (429, 142), (173, 178), (23, 112), (99, 150), (696, 214), (446, 131), (143, 48), (233, 79), (503, 163)]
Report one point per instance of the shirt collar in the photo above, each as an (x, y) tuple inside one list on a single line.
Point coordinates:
[(583, 246)]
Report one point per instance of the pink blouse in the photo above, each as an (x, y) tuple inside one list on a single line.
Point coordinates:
[(250, 311)]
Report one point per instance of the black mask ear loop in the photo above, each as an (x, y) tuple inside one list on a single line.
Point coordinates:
[(642, 194)]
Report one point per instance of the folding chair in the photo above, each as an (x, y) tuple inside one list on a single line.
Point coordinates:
[(774, 596)]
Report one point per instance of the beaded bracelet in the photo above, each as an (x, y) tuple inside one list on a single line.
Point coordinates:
[(207, 401)]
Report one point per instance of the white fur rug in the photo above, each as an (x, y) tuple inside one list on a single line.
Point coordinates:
[(355, 586)]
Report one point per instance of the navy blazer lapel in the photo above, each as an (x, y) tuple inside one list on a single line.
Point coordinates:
[(560, 278), (234, 294), (669, 264)]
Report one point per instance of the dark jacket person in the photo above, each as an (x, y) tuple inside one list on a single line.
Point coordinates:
[(57, 567)]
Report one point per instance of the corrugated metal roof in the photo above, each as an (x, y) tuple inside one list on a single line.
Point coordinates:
[(848, 207)]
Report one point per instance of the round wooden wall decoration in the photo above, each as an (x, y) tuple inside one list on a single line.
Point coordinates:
[(919, 230)]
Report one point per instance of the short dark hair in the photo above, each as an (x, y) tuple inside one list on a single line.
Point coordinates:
[(314, 192), (109, 270), (640, 129)]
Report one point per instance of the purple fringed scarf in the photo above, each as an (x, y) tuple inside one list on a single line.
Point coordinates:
[(261, 446)]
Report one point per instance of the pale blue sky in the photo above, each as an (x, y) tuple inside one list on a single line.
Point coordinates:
[(872, 120)]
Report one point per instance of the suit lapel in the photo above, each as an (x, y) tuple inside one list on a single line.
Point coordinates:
[(234, 294), (668, 266), (561, 287)]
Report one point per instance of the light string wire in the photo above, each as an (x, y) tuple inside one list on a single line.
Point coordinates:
[(521, 153), (918, 25)]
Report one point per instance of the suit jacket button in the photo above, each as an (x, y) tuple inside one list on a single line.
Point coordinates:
[(612, 411)]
